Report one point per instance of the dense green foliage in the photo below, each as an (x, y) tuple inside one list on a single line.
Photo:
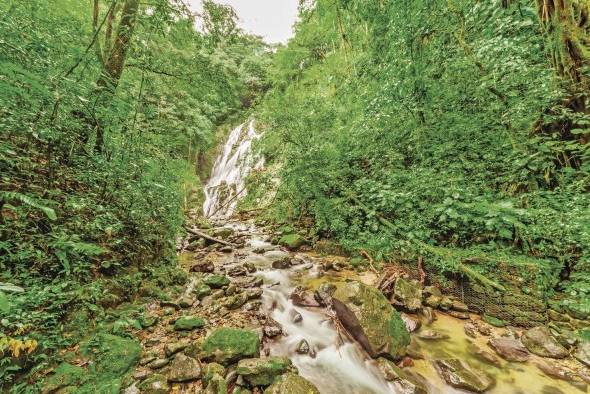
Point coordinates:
[(80, 229), (430, 128)]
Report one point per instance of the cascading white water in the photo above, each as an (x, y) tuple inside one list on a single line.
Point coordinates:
[(227, 182)]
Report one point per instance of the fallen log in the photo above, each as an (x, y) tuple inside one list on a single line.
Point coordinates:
[(208, 237)]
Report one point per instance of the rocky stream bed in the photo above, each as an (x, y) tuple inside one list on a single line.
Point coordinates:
[(258, 316)]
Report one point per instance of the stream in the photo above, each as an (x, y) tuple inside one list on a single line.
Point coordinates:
[(333, 362)]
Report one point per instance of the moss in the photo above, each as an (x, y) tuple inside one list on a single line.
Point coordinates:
[(113, 356), (65, 375), (216, 281), (212, 369), (201, 290), (227, 345), (292, 384), (217, 385), (263, 371), (292, 241), (494, 321), (187, 323)]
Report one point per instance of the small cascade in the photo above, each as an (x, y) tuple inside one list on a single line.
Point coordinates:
[(227, 183)]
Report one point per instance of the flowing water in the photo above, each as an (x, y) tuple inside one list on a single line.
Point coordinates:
[(227, 182), (335, 364)]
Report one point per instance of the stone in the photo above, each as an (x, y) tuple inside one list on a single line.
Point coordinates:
[(431, 335), (254, 294), (431, 290), (459, 315), (554, 371), (212, 369), (188, 323), (186, 302), (292, 241), (407, 294), (282, 264), (142, 374), (582, 353), (223, 232), (461, 375), (263, 371), (159, 363), (428, 314), (556, 316), (231, 290), (174, 347), (323, 294), (412, 324), (272, 330), (147, 359), (459, 306), (183, 369), (445, 303), (113, 355), (538, 340), (148, 321), (369, 318), (302, 297), (216, 281), (155, 384), (228, 345), (169, 304), (238, 270), (433, 301), (509, 349), (470, 330), (203, 266), (201, 290), (303, 347), (226, 249), (236, 301), (216, 385), (296, 317), (291, 383), (404, 381), (483, 355)]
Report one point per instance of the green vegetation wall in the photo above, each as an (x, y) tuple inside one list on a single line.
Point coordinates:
[(435, 129)]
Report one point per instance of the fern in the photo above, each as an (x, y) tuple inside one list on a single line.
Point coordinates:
[(23, 199)]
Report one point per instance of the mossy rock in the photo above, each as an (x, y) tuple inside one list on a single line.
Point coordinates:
[(113, 355), (371, 320), (65, 375), (263, 371), (155, 384), (216, 281), (292, 383), (216, 385), (188, 323), (212, 369), (228, 345), (201, 290), (494, 321), (292, 241)]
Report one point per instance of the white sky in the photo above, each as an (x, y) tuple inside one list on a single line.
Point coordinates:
[(271, 19)]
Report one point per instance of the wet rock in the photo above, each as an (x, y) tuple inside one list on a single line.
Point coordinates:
[(159, 363), (237, 270), (483, 355), (483, 328), (433, 301), (250, 268), (404, 381), (236, 301), (407, 294), (203, 266), (431, 335), (555, 371), (412, 324), (323, 294), (212, 369), (274, 255), (188, 323), (216, 385), (148, 321), (470, 330), (291, 383), (538, 340), (155, 384), (428, 314), (302, 297), (223, 232), (367, 315), (217, 294), (263, 371), (509, 349), (254, 294), (459, 315), (303, 347), (216, 281), (459, 306), (201, 291), (461, 375), (272, 329), (292, 241), (296, 317), (582, 353), (282, 264), (227, 345), (183, 369)]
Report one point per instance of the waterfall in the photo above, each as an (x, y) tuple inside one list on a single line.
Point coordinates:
[(227, 183)]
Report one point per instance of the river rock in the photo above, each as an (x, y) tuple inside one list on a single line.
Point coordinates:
[(188, 323), (216, 281), (236, 301), (291, 383), (212, 369), (155, 384), (159, 363), (174, 347), (470, 330), (509, 349), (302, 297), (483, 355), (282, 264), (201, 290), (183, 369), (296, 317), (459, 315), (263, 371), (412, 323), (407, 294), (538, 340), (323, 294), (203, 266), (431, 335), (237, 270), (367, 315), (227, 345), (461, 375), (292, 241), (433, 301), (303, 347)]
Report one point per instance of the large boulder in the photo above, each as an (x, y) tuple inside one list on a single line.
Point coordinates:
[(291, 383), (407, 294), (113, 355), (228, 345), (539, 341), (461, 375), (216, 281), (263, 371), (292, 241), (369, 318), (509, 349), (65, 376)]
